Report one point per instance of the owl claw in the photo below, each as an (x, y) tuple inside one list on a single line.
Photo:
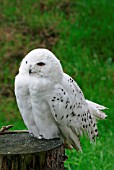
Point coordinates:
[(67, 146), (38, 136), (31, 134)]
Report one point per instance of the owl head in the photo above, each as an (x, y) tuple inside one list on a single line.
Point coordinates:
[(42, 63)]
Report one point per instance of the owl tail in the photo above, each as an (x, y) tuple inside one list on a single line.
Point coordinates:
[(96, 110), (71, 137)]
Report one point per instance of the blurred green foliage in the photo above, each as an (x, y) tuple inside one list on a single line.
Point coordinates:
[(81, 35)]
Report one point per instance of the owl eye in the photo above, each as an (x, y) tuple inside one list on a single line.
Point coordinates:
[(26, 62), (40, 64)]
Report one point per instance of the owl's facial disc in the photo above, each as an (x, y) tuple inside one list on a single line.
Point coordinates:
[(36, 68), (42, 63)]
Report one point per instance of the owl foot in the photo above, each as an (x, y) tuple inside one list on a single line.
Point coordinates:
[(67, 146), (36, 136)]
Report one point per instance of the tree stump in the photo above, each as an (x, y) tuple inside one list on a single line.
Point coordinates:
[(22, 152)]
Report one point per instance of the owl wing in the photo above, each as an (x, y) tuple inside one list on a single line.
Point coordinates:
[(72, 113)]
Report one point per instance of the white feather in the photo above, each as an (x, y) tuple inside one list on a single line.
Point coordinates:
[(24, 103), (96, 109), (51, 103)]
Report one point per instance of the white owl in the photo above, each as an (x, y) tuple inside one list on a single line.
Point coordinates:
[(51, 103)]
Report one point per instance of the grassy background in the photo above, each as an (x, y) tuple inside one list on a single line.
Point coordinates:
[(81, 34)]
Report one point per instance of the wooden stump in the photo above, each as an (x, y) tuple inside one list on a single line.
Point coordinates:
[(23, 152)]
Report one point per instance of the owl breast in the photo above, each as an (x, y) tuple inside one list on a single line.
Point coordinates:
[(39, 93)]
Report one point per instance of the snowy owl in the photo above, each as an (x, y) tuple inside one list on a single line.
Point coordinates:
[(51, 103)]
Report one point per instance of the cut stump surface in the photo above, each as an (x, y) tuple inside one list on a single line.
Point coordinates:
[(22, 152)]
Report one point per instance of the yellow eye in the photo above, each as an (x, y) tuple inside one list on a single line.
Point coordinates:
[(40, 64)]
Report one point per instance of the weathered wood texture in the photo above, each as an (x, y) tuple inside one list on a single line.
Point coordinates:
[(23, 152)]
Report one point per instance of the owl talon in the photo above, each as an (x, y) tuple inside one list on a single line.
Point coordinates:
[(67, 146), (31, 134)]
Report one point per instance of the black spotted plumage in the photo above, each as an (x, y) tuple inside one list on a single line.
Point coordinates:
[(74, 111), (53, 101)]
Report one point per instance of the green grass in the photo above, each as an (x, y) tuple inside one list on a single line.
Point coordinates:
[(81, 34)]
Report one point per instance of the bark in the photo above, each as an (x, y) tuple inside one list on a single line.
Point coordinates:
[(22, 152)]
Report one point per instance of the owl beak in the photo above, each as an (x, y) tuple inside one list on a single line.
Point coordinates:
[(30, 70)]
